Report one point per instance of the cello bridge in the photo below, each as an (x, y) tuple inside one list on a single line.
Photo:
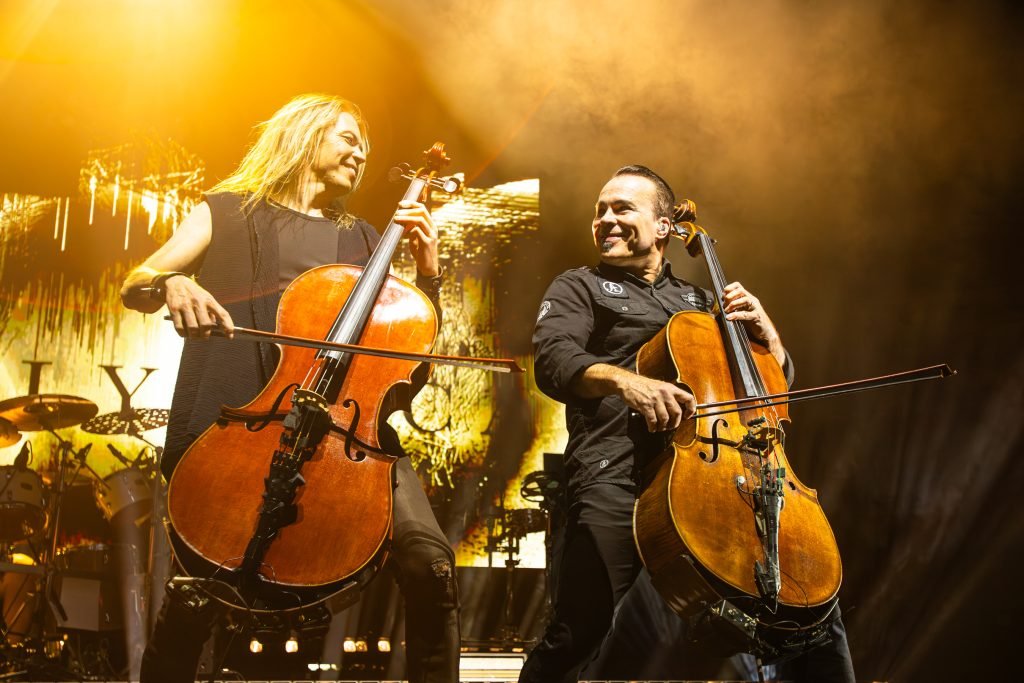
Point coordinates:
[(305, 397), (761, 439)]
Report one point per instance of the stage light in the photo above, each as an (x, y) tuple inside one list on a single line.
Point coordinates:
[(383, 645), (361, 646), (313, 666), (348, 645), (255, 646), (292, 644), (22, 558)]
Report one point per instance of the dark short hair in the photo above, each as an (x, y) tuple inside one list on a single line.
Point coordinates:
[(666, 198)]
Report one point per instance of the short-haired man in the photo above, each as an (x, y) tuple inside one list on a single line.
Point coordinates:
[(591, 324)]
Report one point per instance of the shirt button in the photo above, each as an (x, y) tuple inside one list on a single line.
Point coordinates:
[(603, 463), (625, 308)]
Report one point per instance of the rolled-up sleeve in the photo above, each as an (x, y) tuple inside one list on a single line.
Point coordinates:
[(565, 322), (788, 370)]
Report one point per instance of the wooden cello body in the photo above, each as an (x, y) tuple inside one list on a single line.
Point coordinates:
[(339, 538), (704, 522), (287, 501)]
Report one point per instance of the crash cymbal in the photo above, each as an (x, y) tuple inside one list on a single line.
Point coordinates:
[(36, 412), (8, 433), (134, 421)]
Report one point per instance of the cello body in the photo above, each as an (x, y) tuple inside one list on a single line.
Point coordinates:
[(339, 538), (702, 523)]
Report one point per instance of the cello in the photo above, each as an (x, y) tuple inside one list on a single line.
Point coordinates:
[(731, 538), (287, 501)]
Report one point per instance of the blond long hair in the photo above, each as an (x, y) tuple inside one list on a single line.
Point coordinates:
[(286, 146)]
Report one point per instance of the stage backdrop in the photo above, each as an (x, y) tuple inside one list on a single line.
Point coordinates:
[(471, 435)]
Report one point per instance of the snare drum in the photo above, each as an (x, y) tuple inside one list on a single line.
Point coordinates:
[(22, 513), (94, 558), (127, 488)]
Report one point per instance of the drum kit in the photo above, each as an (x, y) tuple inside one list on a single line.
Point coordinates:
[(63, 544)]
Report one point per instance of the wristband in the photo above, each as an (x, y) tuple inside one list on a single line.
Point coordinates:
[(430, 284), (157, 286)]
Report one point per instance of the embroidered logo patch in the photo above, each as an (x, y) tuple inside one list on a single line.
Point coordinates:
[(695, 300), (614, 289), (544, 308)]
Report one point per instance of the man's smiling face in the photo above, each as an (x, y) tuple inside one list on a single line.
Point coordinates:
[(626, 228)]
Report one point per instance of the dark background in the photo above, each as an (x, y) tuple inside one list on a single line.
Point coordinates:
[(858, 162)]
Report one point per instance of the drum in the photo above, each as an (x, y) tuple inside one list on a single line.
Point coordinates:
[(22, 513), (95, 558), (127, 488), (87, 587)]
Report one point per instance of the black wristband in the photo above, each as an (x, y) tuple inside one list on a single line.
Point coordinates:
[(430, 284), (157, 288)]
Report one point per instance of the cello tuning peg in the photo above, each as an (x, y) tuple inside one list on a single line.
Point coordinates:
[(451, 185), (399, 172)]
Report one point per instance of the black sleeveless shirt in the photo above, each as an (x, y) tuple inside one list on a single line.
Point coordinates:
[(302, 240)]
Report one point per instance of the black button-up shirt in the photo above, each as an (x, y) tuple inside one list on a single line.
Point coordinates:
[(603, 314)]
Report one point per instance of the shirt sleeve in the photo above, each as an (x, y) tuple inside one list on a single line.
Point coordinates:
[(788, 370), (565, 323)]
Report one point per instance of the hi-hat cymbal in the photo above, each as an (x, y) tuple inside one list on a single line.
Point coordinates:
[(36, 412), (135, 421), (8, 433)]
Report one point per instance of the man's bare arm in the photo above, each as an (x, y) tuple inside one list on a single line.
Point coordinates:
[(663, 404), (194, 310)]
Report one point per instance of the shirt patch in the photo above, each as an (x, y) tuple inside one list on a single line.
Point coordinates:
[(544, 308), (614, 289), (696, 300)]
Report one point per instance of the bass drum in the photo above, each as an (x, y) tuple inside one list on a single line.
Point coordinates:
[(22, 513)]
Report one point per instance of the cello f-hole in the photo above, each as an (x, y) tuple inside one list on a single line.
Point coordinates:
[(359, 455)]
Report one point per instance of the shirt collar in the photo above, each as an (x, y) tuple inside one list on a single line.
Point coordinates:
[(619, 273)]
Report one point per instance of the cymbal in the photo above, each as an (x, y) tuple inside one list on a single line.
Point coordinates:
[(36, 412), (8, 433), (135, 421)]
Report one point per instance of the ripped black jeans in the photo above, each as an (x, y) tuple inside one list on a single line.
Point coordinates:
[(424, 564)]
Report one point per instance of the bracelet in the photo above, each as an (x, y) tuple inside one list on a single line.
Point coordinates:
[(431, 284), (157, 286)]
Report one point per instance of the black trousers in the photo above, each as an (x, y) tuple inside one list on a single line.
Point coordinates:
[(599, 563), (424, 564)]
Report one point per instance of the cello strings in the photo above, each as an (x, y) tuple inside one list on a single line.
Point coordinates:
[(718, 277)]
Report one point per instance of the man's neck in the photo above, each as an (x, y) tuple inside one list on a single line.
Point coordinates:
[(647, 267), (310, 198)]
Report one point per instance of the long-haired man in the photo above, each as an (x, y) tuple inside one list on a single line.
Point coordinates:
[(279, 214)]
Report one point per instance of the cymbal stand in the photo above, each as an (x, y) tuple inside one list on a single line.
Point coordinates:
[(65, 448), (509, 628)]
